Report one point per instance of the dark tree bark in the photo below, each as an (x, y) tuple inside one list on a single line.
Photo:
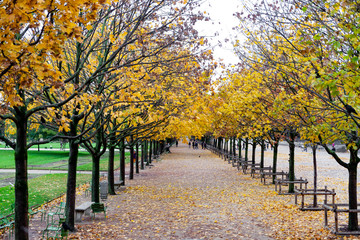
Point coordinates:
[(111, 178), (234, 146), (142, 155), (246, 149), (275, 155), (137, 157), (150, 151), (314, 148), (262, 153), (21, 178), (353, 224), (230, 147), (291, 142), (95, 181), (71, 183), (122, 160), (146, 154), (253, 152), (132, 158), (239, 147)]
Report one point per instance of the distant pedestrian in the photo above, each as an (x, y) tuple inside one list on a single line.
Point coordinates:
[(177, 143), (193, 144), (189, 144), (333, 147)]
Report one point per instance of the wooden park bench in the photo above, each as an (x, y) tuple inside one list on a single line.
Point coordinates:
[(264, 175), (224, 155), (231, 159), (286, 182), (239, 162), (234, 160), (244, 164), (259, 170), (311, 192), (221, 153), (339, 229), (84, 208), (228, 157), (250, 165)]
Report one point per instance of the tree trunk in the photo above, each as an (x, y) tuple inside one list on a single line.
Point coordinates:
[(95, 191), (353, 216), (240, 148), (291, 163), (314, 147), (131, 173), (142, 155), (122, 161), (111, 170), (253, 152), (71, 184), (230, 147), (146, 154), (262, 153), (246, 149), (21, 178), (226, 142), (275, 154), (150, 151), (137, 157), (154, 147), (234, 146)]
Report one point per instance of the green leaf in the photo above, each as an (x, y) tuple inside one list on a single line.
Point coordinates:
[(317, 37), (337, 45)]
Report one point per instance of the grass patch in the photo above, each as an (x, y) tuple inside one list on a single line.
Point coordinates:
[(52, 145), (104, 163), (41, 190), (56, 160), (37, 159)]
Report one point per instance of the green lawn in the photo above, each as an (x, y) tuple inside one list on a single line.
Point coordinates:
[(36, 159), (47, 187), (52, 145), (56, 160), (41, 190)]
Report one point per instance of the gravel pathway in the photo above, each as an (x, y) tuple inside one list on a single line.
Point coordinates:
[(189, 194)]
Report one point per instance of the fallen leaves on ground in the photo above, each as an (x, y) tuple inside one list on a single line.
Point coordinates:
[(185, 197)]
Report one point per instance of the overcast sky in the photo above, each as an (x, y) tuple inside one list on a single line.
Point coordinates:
[(222, 21)]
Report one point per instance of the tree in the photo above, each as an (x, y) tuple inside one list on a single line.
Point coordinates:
[(312, 45), (31, 36)]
